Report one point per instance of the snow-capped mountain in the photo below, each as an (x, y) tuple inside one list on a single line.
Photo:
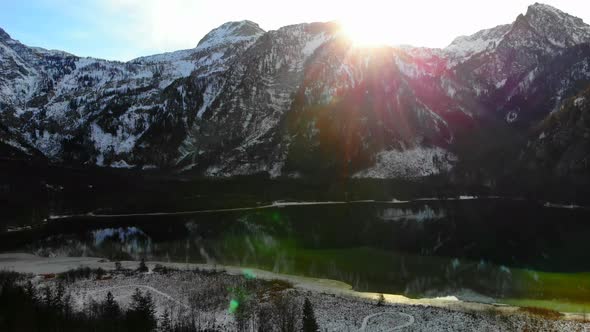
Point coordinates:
[(89, 110), (301, 100)]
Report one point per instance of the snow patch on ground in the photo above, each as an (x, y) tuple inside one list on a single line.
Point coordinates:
[(417, 162), (46, 142), (511, 117), (501, 83), (314, 43), (121, 164), (121, 143), (208, 97), (409, 68)]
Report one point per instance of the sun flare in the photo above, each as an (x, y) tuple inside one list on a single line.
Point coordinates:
[(365, 33)]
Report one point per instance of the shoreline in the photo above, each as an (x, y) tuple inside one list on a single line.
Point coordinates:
[(283, 204), (39, 266)]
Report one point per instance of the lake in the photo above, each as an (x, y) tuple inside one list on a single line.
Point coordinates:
[(489, 250)]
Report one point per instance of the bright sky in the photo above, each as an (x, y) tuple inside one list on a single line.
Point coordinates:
[(125, 29)]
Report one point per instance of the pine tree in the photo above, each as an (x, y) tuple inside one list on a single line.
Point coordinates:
[(68, 309), (240, 307), (111, 309), (30, 290), (59, 296), (286, 310), (141, 315), (165, 322), (142, 267), (73, 105), (309, 322), (47, 296), (136, 300)]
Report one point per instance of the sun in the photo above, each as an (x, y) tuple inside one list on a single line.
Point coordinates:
[(365, 32)]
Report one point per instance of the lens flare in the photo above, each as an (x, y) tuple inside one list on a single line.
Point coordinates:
[(249, 274), (233, 305)]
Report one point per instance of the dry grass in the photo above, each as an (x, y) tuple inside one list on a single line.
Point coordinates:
[(542, 312), (277, 285), (273, 289)]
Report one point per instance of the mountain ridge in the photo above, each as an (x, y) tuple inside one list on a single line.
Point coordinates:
[(296, 101)]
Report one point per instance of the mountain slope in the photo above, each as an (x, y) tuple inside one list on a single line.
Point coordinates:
[(301, 101), (90, 110), (562, 144)]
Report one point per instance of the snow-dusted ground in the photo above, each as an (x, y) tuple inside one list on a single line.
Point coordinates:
[(337, 307)]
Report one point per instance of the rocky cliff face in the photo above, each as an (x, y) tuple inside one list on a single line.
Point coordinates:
[(301, 100)]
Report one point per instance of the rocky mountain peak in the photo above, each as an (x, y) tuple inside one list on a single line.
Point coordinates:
[(543, 26), (541, 8), (560, 28), (231, 32)]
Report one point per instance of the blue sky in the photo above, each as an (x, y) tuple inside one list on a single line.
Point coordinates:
[(125, 29), (63, 25)]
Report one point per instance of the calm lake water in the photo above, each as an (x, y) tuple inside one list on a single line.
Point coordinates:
[(508, 251)]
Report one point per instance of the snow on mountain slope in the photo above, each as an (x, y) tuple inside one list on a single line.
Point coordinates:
[(17, 77), (253, 100), (51, 87), (230, 33), (298, 100), (212, 53), (465, 46), (547, 28), (413, 163)]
